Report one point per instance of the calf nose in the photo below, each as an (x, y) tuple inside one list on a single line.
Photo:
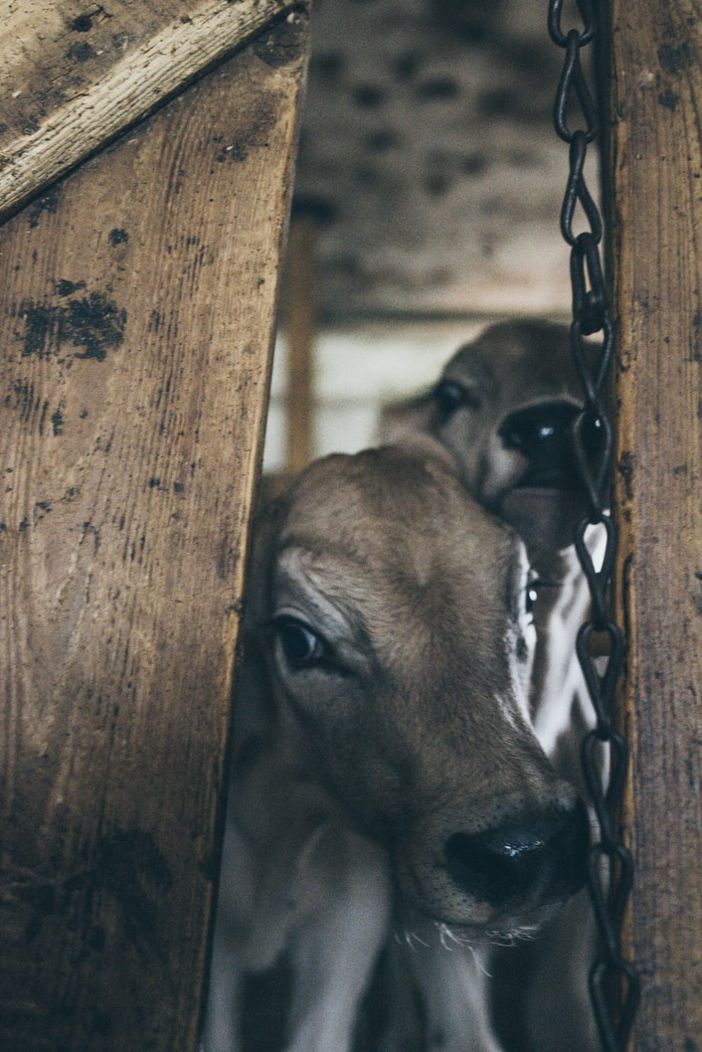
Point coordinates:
[(541, 433), (537, 857)]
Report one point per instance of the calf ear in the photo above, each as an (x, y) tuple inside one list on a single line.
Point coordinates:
[(427, 447), (410, 416), (410, 425)]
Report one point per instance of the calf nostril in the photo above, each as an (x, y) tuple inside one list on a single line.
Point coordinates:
[(541, 433), (495, 865), (540, 856)]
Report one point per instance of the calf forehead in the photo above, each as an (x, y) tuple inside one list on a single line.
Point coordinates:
[(405, 546), (400, 515), (515, 363)]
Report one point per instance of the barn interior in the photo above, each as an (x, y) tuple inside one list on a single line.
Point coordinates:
[(428, 188), (138, 274)]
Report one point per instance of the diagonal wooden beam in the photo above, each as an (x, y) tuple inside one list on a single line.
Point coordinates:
[(73, 76)]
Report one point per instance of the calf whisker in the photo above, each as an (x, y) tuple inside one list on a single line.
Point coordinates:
[(408, 938), (447, 936), (511, 938)]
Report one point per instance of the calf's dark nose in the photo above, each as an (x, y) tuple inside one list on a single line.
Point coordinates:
[(541, 433), (535, 858)]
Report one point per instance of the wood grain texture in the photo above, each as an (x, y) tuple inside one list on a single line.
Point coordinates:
[(136, 336), (74, 75), (656, 179)]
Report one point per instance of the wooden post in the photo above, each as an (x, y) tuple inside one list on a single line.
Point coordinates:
[(655, 170), (138, 309)]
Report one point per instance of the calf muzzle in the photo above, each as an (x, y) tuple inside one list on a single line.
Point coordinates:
[(537, 857), (542, 434)]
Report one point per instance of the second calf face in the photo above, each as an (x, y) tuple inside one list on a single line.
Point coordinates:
[(399, 641), (504, 406)]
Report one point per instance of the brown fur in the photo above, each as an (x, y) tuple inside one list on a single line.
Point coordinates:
[(359, 773)]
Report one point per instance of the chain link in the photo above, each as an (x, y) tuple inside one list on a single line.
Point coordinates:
[(613, 981)]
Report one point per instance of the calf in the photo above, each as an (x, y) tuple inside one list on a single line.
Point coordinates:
[(386, 770), (503, 407)]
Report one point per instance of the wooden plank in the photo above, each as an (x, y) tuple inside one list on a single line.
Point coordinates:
[(656, 182), (136, 335), (74, 75)]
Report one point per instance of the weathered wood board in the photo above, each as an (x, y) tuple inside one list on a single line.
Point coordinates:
[(73, 75), (138, 302), (656, 183)]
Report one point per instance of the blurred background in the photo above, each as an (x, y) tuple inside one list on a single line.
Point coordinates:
[(428, 190)]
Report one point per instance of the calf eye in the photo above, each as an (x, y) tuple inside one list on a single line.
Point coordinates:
[(531, 594), (450, 396), (302, 646)]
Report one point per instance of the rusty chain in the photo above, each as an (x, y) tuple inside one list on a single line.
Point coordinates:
[(614, 982)]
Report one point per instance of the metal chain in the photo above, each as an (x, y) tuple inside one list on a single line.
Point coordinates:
[(614, 982)]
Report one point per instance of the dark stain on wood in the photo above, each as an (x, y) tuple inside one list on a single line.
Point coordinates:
[(254, 134), (38, 320), (48, 202), (80, 52), (625, 467), (82, 24), (29, 125), (67, 288), (283, 42), (675, 57), (669, 99), (57, 421), (92, 322), (95, 323)]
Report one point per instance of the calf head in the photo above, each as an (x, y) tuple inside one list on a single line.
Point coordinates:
[(504, 407), (393, 612)]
